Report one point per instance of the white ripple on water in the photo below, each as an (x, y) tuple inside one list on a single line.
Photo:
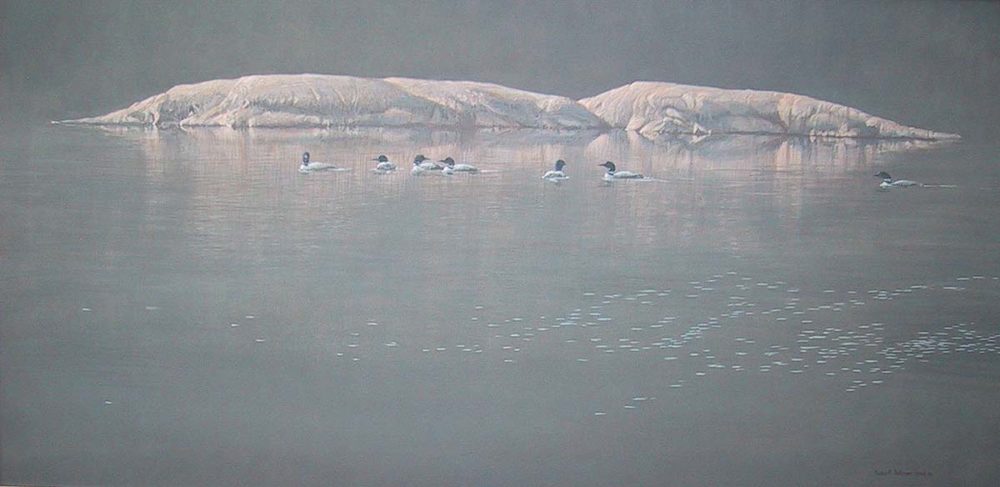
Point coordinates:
[(859, 357)]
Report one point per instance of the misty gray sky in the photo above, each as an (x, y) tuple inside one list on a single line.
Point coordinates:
[(930, 64)]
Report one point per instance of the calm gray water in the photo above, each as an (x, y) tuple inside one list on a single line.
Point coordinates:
[(188, 309)]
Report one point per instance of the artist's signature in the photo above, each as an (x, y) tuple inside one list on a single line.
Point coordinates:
[(903, 473)]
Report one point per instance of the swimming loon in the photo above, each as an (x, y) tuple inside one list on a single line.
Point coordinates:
[(612, 174), (307, 166), (557, 173), (384, 165), (423, 165), (451, 167), (887, 181)]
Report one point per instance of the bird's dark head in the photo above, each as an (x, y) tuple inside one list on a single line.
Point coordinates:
[(609, 165), (883, 175), (449, 161), (560, 164), (305, 158), (381, 158), (420, 158)]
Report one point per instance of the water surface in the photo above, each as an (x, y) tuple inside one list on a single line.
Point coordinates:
[(185, 308)]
